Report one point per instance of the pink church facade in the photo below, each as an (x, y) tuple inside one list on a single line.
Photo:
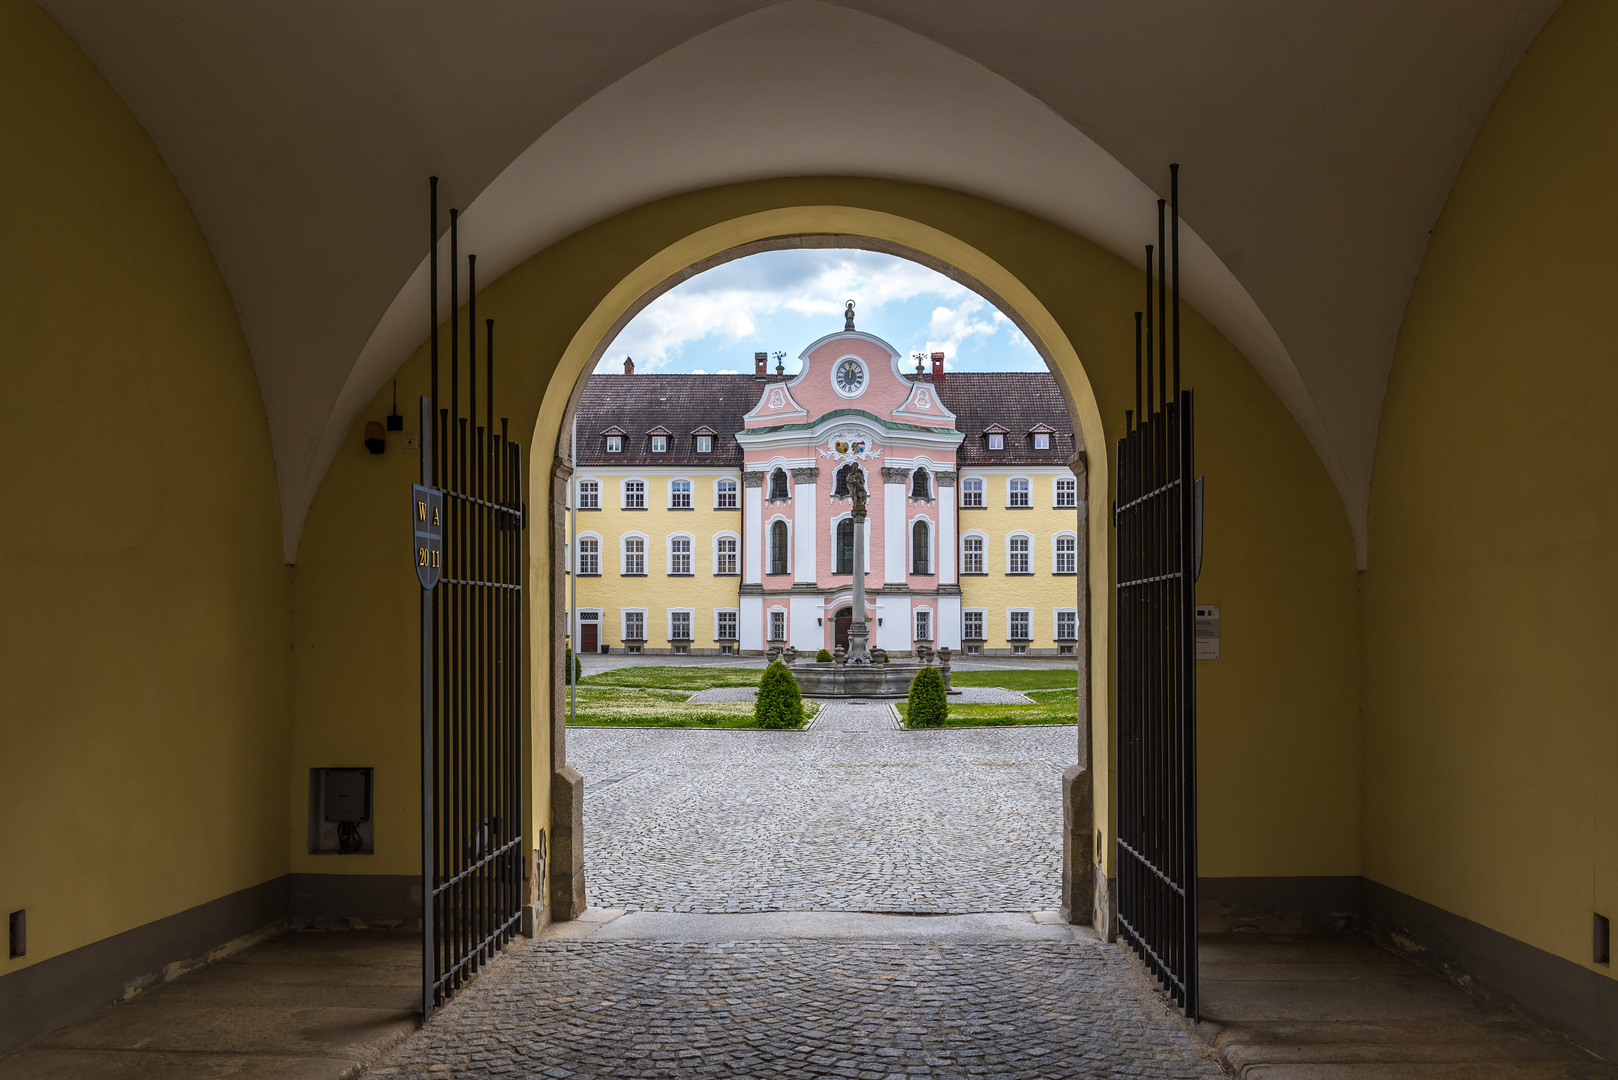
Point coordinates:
[(850, 406)]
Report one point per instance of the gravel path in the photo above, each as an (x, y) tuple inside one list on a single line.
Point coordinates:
[(850, 815)]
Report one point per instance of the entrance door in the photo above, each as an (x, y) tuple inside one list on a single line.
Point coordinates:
[(840, 624), (588, 638)]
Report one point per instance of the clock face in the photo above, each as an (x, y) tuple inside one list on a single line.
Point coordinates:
[(850, 377)]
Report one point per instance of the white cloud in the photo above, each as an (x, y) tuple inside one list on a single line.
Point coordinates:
[(728, 302), (951, 326)]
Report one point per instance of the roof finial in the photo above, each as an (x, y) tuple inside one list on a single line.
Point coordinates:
[(919, 358), (848, 316), (780, 363)]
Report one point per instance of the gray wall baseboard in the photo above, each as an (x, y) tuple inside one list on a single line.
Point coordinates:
[(62, 990), (65, 989), (1555, 992), (1280, 904)]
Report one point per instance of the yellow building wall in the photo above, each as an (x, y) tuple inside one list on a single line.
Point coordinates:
[(144, 709), (657, 592), (1490, 622), (997, 591), (1281, 736)]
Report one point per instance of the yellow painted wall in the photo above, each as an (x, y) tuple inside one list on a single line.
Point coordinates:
[(995, 591), (1280, 713), (1491, 629), (144, 713), (657, 591)]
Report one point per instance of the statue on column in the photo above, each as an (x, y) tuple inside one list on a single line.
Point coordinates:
[(857, 490)]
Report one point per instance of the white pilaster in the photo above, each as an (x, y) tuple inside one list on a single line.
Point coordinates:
[(803, 633), (805, 568), (750, 623), (752, 533), (947, 632), (893, 528), (947, 543)]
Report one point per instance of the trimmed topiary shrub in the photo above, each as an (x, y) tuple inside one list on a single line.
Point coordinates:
[(823, 656), (928, 703), (779, 704), (572, 668)]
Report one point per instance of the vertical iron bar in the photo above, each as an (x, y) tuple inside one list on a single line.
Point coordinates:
[(1162, 313), (427, 657), (1174, 206), (1127, 424), (1150, 400)]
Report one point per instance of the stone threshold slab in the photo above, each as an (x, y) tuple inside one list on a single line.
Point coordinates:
[(668, 926)]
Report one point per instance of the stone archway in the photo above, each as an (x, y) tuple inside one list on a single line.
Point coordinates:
[(828, 226)]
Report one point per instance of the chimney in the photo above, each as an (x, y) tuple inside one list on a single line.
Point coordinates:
[(629, 365), (760, 366), (938, 367)]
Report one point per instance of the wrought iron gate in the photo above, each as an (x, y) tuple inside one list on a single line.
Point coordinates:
[(468, 512), (1157, 701)]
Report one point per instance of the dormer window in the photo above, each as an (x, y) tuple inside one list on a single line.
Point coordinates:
[(1042, 440), (704, 444), (660, 444), (615, 444), (997, 441)]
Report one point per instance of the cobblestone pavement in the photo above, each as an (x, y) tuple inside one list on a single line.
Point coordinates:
[(850, 815), (866, 1011)]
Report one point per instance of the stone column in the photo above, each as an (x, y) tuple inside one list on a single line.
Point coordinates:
[(859, 633)]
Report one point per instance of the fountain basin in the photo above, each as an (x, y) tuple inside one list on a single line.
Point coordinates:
[(831, 679)]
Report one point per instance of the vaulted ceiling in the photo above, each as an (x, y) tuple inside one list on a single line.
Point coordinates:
[(1323, 137)]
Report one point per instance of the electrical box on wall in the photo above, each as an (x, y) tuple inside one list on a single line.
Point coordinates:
[(340, 803)]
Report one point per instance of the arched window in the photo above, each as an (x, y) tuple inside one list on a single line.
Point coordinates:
[(919, 561), (921, 485), (725, 554), (778, 547), (778, 486), (845, 545), (972, 555), (1017, 560), (1067, 554), (841, 488), (725, 497), (589, 555), (680, 556)]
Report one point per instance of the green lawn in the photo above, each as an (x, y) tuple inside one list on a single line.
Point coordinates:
[(1052, 712), (1013, 679), (675, 678), (611, 707)]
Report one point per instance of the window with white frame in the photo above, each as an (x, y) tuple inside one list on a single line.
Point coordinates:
[(634, 556), (704, 444), (1042, 440), (1017, 557), (778, 625), (924, 625), (972, 555), (615, 444), (680, 556), (726, 496), (972, 625), (589, 495), (679, 626), (1067, 554), (1067, 625), (1067, 491), (634, 625), (972, 491), (660, 444), (844, 560), (725, 555), (780, 489), (921, 485), (1021, 626), (1017, 491), (920, 548), (778, 547), (634, 494), (997, 441), (725, 625), (589, 556), (679, 494)]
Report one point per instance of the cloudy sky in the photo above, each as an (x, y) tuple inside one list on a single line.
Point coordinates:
[(780, 301)]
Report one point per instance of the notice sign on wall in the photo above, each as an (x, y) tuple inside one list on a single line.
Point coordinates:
[(1207, 631)]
